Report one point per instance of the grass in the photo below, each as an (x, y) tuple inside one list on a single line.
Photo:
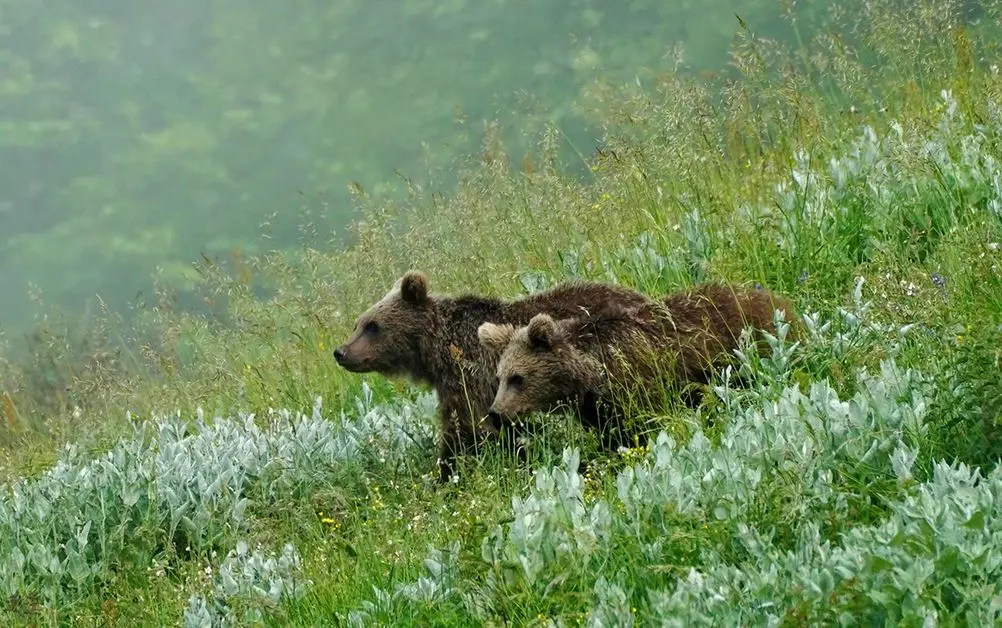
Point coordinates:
[(857, 174)]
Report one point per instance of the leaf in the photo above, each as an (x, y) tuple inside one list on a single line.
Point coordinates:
[(82, 536), (879, 563), (239, 508), (977, 521), (350, 550)]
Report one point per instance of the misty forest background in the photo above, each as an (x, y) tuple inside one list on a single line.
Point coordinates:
[(135, 140)]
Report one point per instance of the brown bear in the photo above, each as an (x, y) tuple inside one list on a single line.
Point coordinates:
[(433, 338), (603, 362)]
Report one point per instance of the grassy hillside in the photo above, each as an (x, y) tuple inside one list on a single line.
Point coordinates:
[(854, 481)]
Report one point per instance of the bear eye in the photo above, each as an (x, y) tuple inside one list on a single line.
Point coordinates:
[(515, 381), (371, 327)]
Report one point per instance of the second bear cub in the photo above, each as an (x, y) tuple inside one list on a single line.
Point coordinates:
[(615, 360)]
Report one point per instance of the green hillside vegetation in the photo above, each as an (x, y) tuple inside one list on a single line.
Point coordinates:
[(220, 467)]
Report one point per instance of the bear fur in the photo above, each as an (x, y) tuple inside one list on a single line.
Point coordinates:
[(433, 339), (609, 362)]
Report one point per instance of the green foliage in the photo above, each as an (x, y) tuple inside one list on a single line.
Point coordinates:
[(250, 580), (164, 491), (852, 479)]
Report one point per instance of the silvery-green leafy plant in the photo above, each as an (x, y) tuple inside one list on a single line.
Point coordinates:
[(804, 436), (173, 486), (437, 588), (553, 528), (246, 586), (940, 548)]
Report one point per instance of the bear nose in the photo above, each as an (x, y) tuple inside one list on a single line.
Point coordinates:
[(493, 419), (339, 354)]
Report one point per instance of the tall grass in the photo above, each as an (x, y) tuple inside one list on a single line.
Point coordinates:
[(858, 173)]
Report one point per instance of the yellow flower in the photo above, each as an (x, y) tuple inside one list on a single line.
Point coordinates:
[(322, 346)]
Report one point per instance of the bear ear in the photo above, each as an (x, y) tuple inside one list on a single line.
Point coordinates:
[(414, 287), (495, 336), (542, 331)]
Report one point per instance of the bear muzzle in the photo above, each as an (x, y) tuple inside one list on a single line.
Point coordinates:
[(494, 421), (344, 360)]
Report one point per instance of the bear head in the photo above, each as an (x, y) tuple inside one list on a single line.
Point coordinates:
[(538, 369), (387, 336)]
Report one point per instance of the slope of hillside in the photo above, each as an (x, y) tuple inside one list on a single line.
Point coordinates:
[(854, 481)]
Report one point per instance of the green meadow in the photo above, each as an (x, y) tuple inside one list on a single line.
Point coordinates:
[(199, 459)]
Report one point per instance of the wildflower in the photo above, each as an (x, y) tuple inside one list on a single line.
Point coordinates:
[(802, 277), (938, 280), (993, 246)]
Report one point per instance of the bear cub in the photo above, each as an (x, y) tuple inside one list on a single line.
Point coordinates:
[(617, 359), (433, 339)]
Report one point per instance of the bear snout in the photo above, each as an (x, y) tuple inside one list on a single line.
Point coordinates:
[(344, 360), (493, 420)]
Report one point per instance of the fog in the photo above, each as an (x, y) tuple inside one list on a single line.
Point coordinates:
[(136, 138)]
